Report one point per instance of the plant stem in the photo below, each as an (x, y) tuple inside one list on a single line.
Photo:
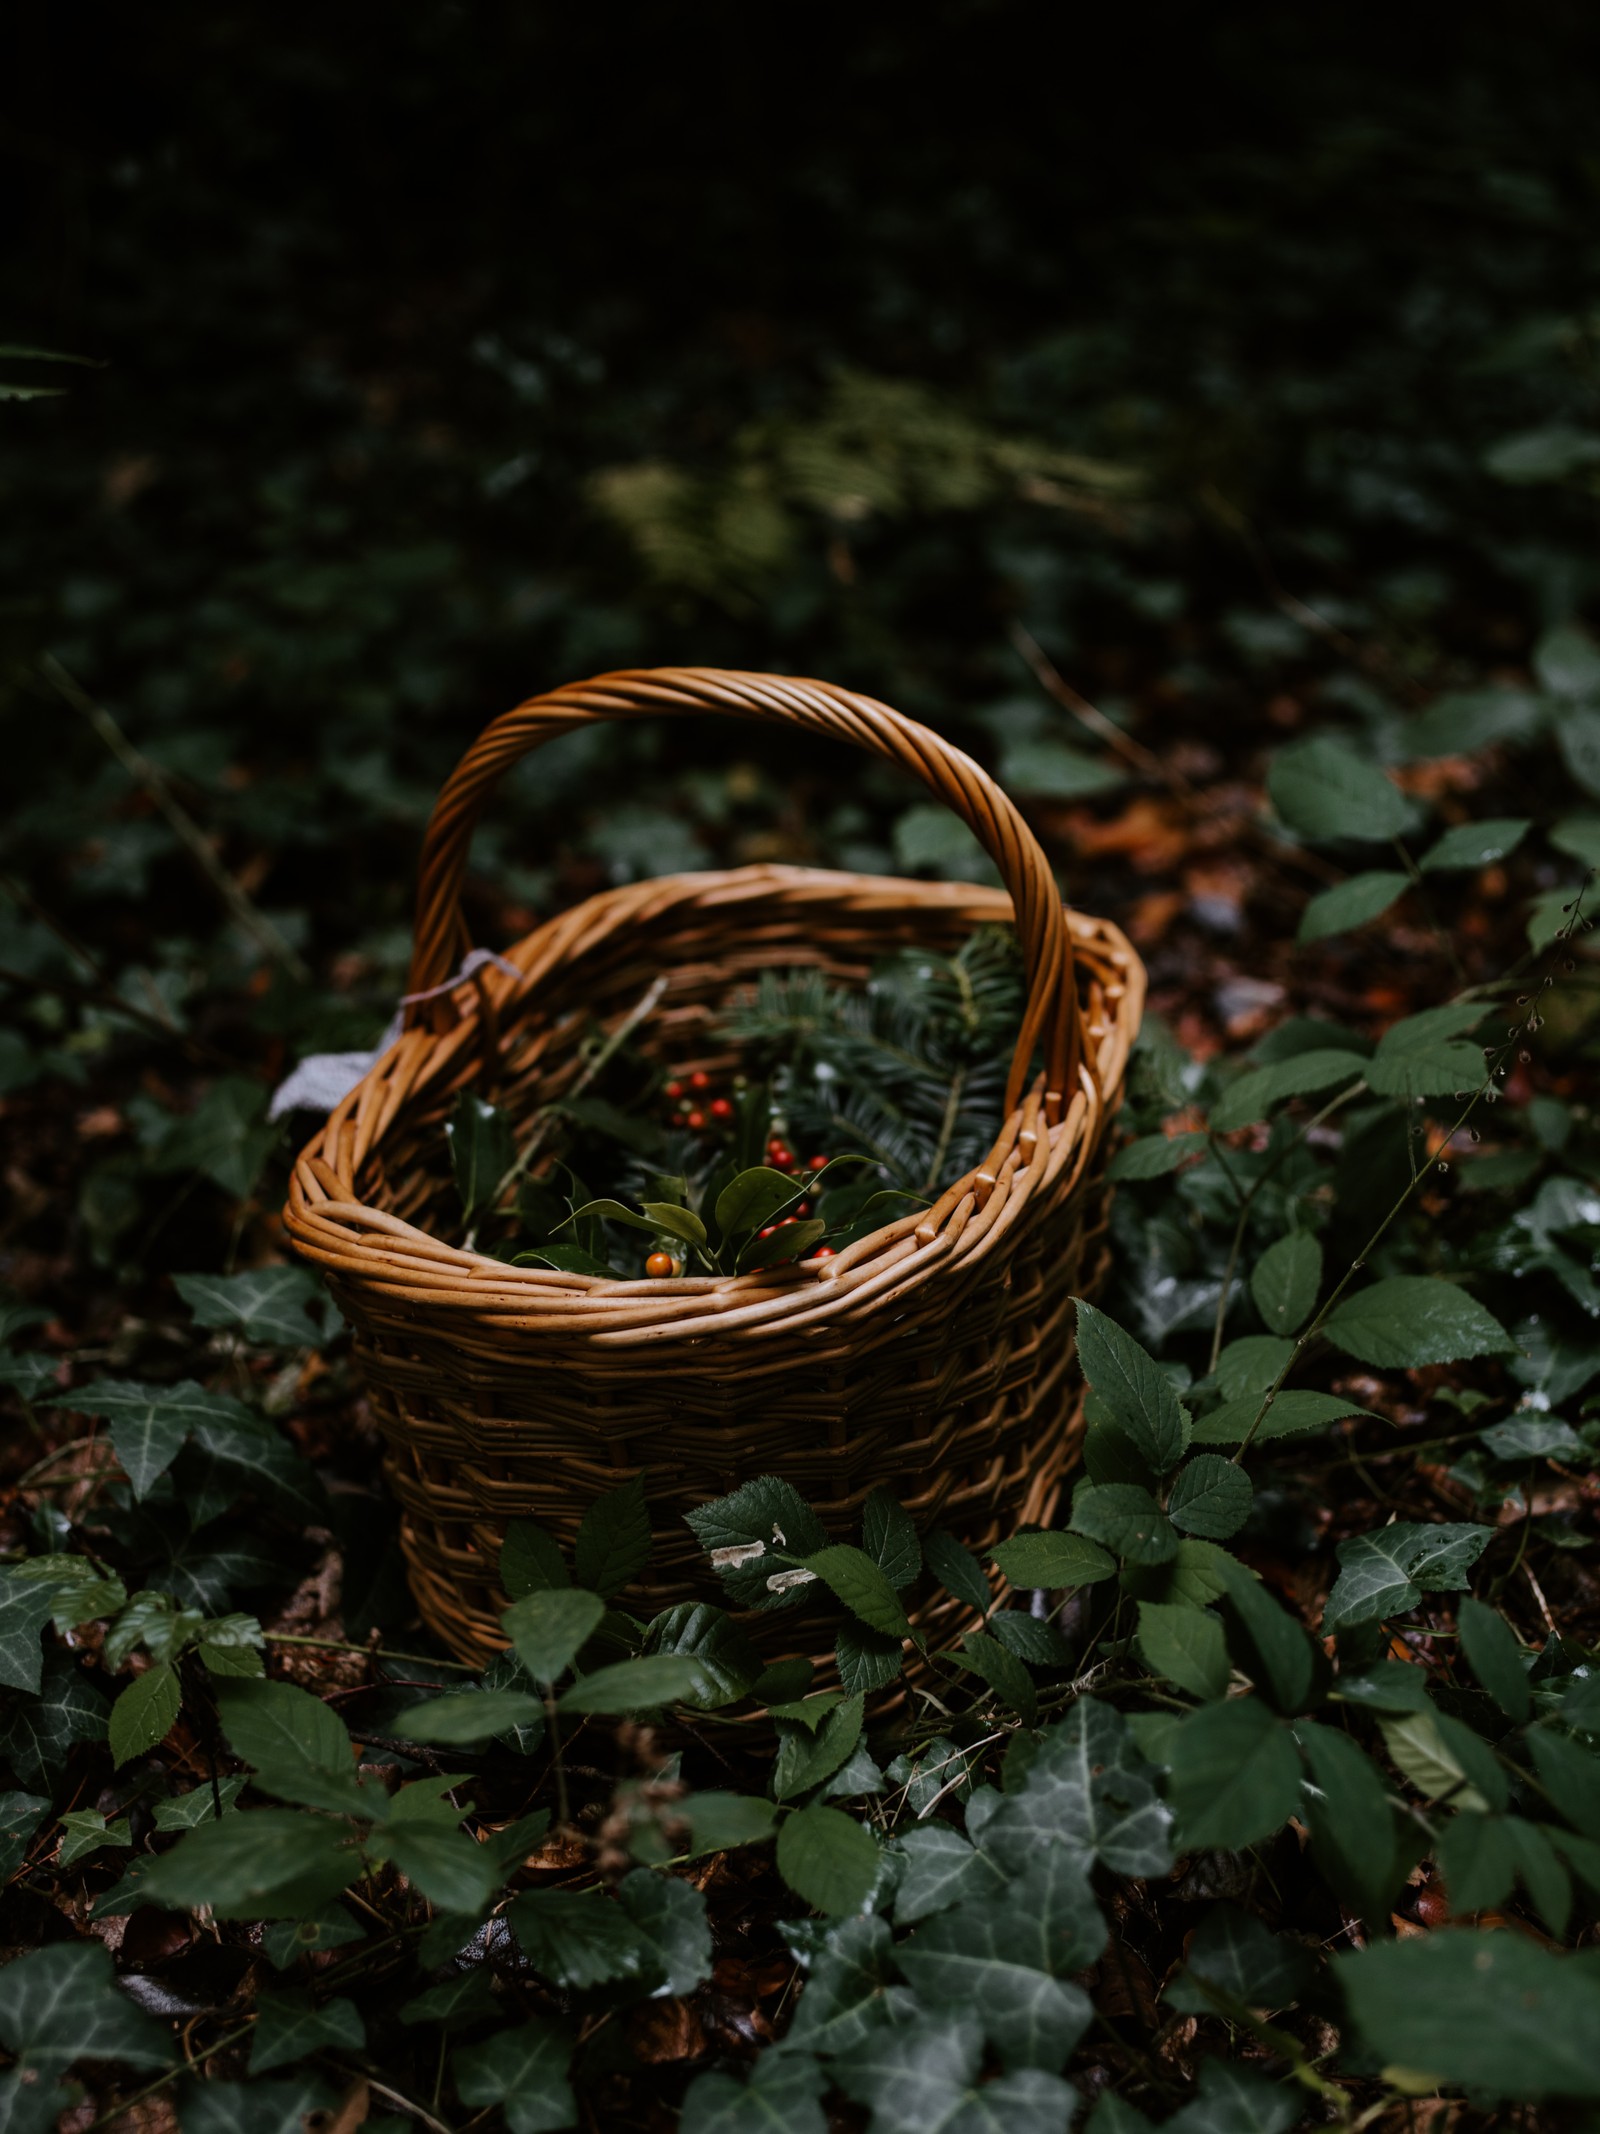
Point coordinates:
[(374, 1652), (115, 2111)]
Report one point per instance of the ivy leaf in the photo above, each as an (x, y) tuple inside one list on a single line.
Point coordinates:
[(728, 1663), (957, 1570), (1286, 1280), (1475, 844), (1234, 1777), (1305, 1074), (579, 1941), (87, 1831), (1387, 1573), (1326, 792), (1289, 1415), (26, 1605), (889, 1536), (1154, 1155), (1233, 2100), (20, 1816), (635, 1685), (853, 1577), (36, 1734), (1009, 1963), (150, 1423), (942, 1869), (850, 1991), (779, 2098), (1234, 1956), (145, 1713), (62, 2004), (1351, 904), (671, 1916), (1495, 1658), (1087, 1789), (1186, 1646), (1138, 1396), (549, 1627), (1490, 2012), (828, 1858), (1409, 1320), (272, 1863), (613, 1543), (267, 1305), (1126, 1519), (524, 2072), (923, 2078), (289, 2025), (1210, 1497), (482, 1150), (530, 1561)]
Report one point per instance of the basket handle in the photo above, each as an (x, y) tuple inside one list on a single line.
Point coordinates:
[(1050, 1019)]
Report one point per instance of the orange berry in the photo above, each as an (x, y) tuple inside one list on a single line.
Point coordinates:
[(699, 1079), (818, 1163), (694, 1120), (674, 1089), (824, 1252), (660, 1263), (721, 1108)]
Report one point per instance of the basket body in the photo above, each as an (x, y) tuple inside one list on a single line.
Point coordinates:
[(934, 1357)]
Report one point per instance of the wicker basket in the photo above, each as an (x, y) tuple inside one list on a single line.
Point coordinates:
[(935, 1356)]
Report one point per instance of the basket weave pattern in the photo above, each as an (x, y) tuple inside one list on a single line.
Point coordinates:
[(934, 1356)]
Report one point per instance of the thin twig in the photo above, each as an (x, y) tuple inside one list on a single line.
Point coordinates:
[(153, 781)]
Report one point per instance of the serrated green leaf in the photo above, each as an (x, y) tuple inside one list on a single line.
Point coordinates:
[(1153, 1156), (1005, 1674), (1048, 1559), (1352, 1828), (719, 1822), (1235, 1778), (1267, 1643), (957, 1570), (1285, 1281), (1290, 1414), (1257, 1092), (272, 1863), (827, 1858), (1570, 1775), (1186, 1646), (1478, 1859), (549, 1627), (889, 1536), (1475, 844), (740, 1534), (635, 1685), (729, 1664), (806, 1758), (145, 1713), (1351, 904), (1495, 1658), (1411, 1320), (867, 1661), (531, 1561), (1443, 1759), (299, 1747), (1326, 792), (1138, 1395), (577, 1941), (451, 1871), (1125, 1519), (1210, 1497), (1494, 2013), (613, 1544), (853, 1578)]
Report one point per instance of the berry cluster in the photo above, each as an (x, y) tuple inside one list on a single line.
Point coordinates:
[(697, 1104)]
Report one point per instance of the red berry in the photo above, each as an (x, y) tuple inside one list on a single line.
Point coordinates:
[(785, 1220), (695, 1120), (817, 1163), (780, 1159), (660, 1263), (768, 1231), (674, 1089), (699, 1079), (721, 1108), (824, 1252), (802, 1208)]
